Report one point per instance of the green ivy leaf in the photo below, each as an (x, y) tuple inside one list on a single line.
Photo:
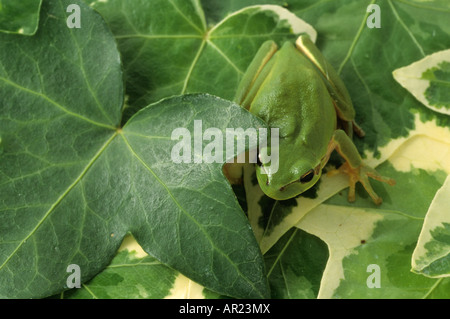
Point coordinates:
[(295, 265), (73, 182), (19, 16)]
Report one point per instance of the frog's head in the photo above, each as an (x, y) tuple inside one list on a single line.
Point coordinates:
[(289, 180)]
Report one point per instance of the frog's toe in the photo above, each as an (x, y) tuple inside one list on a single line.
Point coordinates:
[(361, 174), (368, 187), (374, 174)]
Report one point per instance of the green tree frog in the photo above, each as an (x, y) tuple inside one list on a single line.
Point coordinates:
[(296, 90)]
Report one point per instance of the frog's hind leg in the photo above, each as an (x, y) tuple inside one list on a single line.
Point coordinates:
[(358, 129), (351, 127), (348, 126), (335, 86), (254, 70)]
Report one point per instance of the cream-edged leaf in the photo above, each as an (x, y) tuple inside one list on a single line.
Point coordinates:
[(431, 256), (369, 252), (271, 219), (136, 275), (343, 229), (428, 80), (427, 147), (132, 274)]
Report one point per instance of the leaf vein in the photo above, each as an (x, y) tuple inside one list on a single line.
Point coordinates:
[(191, 68), (83, 71), (189, 21), (59, 106), (413, 38), (60, 199), (225, 57), (355, 40)]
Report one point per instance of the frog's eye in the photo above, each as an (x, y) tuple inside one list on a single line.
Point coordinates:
[(307, 177)]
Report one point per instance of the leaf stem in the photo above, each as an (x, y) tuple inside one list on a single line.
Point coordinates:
[(90, 291)]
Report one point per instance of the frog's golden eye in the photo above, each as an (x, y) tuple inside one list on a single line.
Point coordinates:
[(307, 177)]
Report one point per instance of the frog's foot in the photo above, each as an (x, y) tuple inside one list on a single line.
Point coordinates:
[(361, 174), (358, 129)]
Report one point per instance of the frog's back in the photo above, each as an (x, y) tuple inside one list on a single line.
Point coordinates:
[(307, 118)]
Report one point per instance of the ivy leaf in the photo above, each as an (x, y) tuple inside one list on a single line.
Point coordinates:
[(133, 274), (361, 236), (370, 253), (428, 80), (73, 182), (295, 265), (130, 275), (19, 16), (164, 58), (432, 253)]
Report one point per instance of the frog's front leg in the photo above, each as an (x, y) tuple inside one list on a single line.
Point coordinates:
[(354, 166)]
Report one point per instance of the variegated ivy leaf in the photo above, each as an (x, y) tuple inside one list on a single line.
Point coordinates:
[(366, 241), (432, 254), (370, 250), (360, 234), (428, 80), (133, 274)]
